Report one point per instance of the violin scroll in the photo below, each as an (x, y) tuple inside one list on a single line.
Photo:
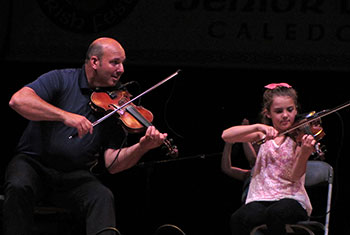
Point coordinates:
[(172, 150)]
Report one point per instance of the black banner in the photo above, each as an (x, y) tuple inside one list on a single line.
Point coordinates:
[(307, 34)]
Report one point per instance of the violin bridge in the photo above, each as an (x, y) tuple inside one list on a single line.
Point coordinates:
[(121, 111)]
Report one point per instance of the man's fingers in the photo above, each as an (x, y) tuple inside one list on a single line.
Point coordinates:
[(85, 127)]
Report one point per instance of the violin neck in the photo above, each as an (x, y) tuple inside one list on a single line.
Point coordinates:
[(131, 109), (172, 150)]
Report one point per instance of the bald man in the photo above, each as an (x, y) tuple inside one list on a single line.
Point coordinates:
[(48, 164)]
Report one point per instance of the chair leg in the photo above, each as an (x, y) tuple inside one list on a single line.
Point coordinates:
[(289, 229), (301, 227), (166, 228), (256, 229)]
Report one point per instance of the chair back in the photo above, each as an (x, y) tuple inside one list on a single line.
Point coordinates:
[(318, 172)]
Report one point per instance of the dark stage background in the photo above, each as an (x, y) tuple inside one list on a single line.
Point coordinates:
[(228, 51)]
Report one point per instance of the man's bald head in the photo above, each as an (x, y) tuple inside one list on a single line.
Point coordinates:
[(104, 62), (98, 46)]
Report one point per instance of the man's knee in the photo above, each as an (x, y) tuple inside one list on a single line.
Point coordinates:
[(17, 187), (102, 194)]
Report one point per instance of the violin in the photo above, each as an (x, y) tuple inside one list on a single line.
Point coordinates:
[(310, 124), (134, 118), (303, 127)]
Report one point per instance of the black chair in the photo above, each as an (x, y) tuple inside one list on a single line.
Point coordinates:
[(51, 220), (317, 172)]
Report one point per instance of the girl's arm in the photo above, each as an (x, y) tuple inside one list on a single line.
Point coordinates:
[(303, 153), (248, 148), (249, 153), (248, 133), (227, 168)]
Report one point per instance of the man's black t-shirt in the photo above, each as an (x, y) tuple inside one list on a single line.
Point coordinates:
[(49, 141)]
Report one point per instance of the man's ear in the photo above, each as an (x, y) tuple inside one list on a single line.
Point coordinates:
[(94, 62)]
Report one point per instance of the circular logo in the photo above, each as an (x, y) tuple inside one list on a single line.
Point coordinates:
[(88, 16)]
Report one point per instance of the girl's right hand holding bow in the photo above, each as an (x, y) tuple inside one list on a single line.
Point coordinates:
[(269, 131), (248, 133)]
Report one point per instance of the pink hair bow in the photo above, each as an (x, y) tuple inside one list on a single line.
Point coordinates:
[(275, 85)]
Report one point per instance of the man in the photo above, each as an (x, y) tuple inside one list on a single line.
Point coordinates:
[(49, 164)]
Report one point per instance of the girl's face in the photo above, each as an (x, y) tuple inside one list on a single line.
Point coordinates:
[(282, 112)]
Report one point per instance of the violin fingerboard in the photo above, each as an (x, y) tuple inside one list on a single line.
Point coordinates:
[(130, 109)]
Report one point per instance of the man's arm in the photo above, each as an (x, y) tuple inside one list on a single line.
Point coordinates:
[(28, 104), (129, 156)]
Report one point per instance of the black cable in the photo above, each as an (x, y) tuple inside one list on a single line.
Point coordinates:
[(166, 111), (337, 160), (120, 149), (337, 164)]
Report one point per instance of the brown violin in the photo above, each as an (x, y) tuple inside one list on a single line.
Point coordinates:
[(303, 127), (134, 118)]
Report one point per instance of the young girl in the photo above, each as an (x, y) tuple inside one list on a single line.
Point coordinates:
[(276, 194)]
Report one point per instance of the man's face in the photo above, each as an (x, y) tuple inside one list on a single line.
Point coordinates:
[(110, 66)]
